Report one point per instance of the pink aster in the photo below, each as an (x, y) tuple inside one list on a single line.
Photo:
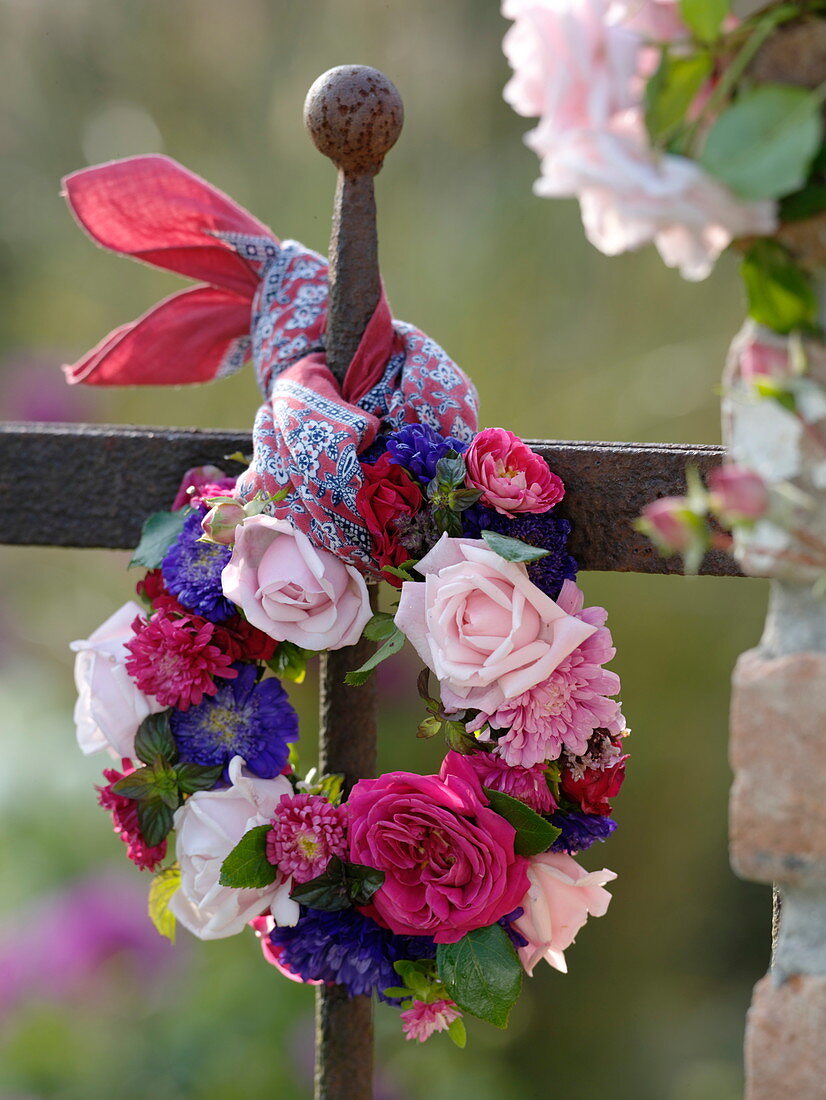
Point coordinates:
[(529, 785), (174, 659), (306, 831), (422, 1020), (566, 708), (124, 813)]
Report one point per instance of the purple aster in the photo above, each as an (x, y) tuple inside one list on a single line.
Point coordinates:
[(418, 448), (245, 717), (192, 572), (516, 938), (349, 949), (370, 455), (547, 531), (580, 831)]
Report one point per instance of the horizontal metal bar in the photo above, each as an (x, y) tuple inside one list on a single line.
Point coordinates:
[(91, 485)]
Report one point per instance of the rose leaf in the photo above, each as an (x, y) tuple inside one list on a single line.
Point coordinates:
[(482, 973), (533, 833)]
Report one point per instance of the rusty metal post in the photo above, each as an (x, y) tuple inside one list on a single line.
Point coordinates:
[(354, 115)]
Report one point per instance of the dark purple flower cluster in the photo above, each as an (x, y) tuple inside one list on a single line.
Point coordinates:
[(349, 949), (192, 571), (547, 531), (418, 448), (245, 717), (580, 831)]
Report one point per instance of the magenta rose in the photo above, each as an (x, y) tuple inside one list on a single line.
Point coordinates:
[(294, 591), (511, 476), (482, 626), (448, 860)]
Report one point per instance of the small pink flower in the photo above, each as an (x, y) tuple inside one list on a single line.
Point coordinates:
[(174, 659), (529, 785), (567, 706), (737, 494), (306, 831), (201, 482), (511, 476), (561, 897), (670, 524), (423, 1020), (124, 813)]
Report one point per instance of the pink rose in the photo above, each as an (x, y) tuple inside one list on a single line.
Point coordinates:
[(559, 900), (512, 477), (292, 590), (737, 494), (448, 861), (479, 623), (110, 705)]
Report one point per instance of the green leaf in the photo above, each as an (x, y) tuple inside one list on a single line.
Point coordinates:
[(429, 727), (671, 91), (290, 662), (339, 886), (513, 549), (155, 821), (803, 204), (457, 1032), (781, 295), (704, 17), (139, 785), (450, 471), (330, 787), (381, 626), (196, 777), (533, 833), (154, 738), (360, 675), (247, 867), (482, 973), (164, 885), (762, 145), (397, 992), (159, 532)]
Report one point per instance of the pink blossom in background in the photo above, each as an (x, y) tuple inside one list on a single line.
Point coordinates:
[(568, 705), (513, 478), (671, 525), (737, 493), (306, 831), (423, 1020), (174, 659), (762, 360), (561, 897), (527, 784), (58, 947), (32, 388)]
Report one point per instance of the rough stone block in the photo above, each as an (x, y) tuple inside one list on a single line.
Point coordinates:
[(785, 1051), (778, 753)]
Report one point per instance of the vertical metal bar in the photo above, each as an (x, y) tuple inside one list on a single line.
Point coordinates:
[(354, 115)]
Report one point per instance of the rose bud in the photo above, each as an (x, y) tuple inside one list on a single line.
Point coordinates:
[(737, 494), (760, 361), (670, 524), (221, 520)]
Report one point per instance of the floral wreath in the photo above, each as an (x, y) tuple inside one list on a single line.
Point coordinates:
[(435, 892)]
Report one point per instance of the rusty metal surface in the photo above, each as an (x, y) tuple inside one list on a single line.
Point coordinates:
[(91, 485)]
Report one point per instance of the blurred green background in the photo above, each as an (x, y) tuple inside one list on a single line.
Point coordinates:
[(562, 343)]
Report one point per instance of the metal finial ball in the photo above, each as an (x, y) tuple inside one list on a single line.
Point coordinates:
[(354, 115)]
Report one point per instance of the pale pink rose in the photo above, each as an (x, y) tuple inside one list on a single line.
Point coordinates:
[(653, 19), (737, 493), (208, 826), (630, 194), (572, 65), (479, 623), (560, 898), (512, 477), (110, 706), (292, 590)]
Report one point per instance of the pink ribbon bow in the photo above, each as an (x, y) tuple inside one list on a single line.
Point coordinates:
[(266, 299)]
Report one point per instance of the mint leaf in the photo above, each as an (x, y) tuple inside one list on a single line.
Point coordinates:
[(361, 675), (155, 821), (457, 1032), (196, 777), (781, 295), (159, 532), (139, 785), (154, 738), (513, 549), (762, 145), (247, 867), (704, 17), (339, 886), (533, 833), (164, 885), (482, 973)]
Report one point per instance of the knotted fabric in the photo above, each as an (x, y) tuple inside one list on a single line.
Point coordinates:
[(267, 300)]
